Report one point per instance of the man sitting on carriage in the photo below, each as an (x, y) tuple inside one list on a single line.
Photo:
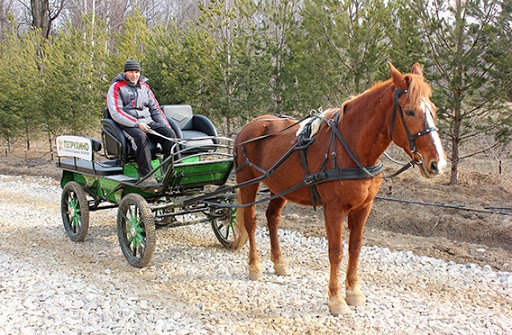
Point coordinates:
[(132, 105)]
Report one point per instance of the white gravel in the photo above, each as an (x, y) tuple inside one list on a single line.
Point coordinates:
[(50, 285)]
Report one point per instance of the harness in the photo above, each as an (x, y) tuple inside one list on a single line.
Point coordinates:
[(336, 173), (410, 137), (312, 179)]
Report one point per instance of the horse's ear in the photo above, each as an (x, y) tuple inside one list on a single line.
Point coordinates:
[(398, 77), (416, 69)]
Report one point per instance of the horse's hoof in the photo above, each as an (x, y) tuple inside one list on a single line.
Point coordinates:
[(255, 272), (355, 297), (254, 275), (281, 269), (338, 306)]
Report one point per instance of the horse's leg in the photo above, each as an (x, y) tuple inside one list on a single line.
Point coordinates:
[(334, 228), (274, 210), (248, 195), (356, 222)]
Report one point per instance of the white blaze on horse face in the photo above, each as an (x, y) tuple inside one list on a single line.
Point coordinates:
[(426, 107)]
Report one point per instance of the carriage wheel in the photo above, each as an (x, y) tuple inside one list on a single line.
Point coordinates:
[(136, 230), (223, 222), (74, 208)]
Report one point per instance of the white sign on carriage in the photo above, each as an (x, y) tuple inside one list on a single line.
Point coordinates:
[(74, 146)]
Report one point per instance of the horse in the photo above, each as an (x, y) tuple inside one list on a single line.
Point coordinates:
[(343, 178)]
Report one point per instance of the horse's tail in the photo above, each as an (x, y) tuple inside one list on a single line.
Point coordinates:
[(241, 236)]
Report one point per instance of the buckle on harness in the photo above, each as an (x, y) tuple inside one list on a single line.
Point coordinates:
[(309, 179), (315, 178)]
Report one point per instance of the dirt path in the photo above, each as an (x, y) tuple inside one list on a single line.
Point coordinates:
[(50, 285)]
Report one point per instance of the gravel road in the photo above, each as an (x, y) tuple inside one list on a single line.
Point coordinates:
[(50, 285)]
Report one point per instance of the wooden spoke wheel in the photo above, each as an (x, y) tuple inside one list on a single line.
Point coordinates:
[(136, 230), (223, 221), (74, 208)]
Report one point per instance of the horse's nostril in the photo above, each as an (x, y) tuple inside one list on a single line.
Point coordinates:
[(434, 167)]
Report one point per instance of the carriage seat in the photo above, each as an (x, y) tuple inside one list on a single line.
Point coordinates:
[(115, 144), (192, 126)]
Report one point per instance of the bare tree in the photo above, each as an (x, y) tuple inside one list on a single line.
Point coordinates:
[(6, 10), (112, 12), (45, 13), (41, 14)]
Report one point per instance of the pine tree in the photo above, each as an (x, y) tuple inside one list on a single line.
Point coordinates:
[(471, 77), (20, 97)]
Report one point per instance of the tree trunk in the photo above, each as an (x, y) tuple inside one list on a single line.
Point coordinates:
[(456, 133), (27, 137), (50, 144), (40, 15), (227, 133), (454, 172), (457, 89)]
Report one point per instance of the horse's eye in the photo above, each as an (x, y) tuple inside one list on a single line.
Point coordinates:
[(410, 112)]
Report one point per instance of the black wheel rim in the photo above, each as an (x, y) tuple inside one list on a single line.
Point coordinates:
[(75, 211), (136, 230)]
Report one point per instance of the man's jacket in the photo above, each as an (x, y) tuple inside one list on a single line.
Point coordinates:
[(130, 104)]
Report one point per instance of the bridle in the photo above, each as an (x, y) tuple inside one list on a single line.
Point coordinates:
[(410, 137)]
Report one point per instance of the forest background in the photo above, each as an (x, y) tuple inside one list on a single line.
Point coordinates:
[(233, 60)]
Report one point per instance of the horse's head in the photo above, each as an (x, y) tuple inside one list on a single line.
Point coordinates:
[(413, 125)]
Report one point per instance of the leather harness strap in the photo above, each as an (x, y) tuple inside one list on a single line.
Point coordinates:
[(312, 179), (336, 173)]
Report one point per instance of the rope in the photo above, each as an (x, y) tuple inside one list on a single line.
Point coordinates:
[(435, 204)]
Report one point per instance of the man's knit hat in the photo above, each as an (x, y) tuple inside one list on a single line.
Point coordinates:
[(131, 65)]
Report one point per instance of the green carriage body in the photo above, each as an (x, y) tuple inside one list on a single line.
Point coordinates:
[(189, 176), (90, 185)]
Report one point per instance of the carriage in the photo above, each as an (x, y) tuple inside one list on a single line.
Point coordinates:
[(331, 160), (101, 175)]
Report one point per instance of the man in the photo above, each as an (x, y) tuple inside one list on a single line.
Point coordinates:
[(133, 106)]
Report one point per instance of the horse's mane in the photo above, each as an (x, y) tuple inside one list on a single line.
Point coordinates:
[(418, 89)]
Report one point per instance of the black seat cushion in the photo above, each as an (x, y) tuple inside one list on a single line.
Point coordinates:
[(97, 168), (115, 143), (192, 126)]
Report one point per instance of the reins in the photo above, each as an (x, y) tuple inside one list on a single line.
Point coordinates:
[(282, 117), (310, 180)]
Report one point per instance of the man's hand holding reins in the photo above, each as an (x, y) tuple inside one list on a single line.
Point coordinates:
[(144, 127)]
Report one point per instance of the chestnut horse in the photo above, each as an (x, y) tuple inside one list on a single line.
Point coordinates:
[(338, 168)]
